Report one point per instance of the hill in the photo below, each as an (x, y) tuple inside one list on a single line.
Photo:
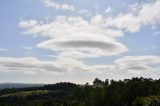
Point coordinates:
[(129, 92), (18, 85)]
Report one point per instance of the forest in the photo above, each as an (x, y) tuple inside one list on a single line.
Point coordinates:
[(127, 92)]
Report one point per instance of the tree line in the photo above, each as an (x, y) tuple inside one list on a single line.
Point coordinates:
[(127, 92)]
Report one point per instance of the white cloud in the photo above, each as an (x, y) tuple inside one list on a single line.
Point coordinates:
[(85, 13), (98, 20), (133, 65), (58, 6), (146, 14), (28, 24), (93, 47), (77, 54), (75, 33), (134, 7), (27, 48), (61, 64), (97, 36), (149, 13), (138, 64), (27, 64), (75, 38), (127, 22), (3, 49), (108, 10), (107, 69)]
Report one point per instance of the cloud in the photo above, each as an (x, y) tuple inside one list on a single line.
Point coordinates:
[(98, 48), (3, 49), (74, 38), (77, 54), (58, 6), (78, 34), (108, 10), (138, 64), (85, 13), (61, 64), (27, 48), (27, 64), (133, 65), (98, 20), (127, 22), (132, 21), (97, 36), (28, 24)]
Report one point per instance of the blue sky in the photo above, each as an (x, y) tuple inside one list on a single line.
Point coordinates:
[(46, 41)]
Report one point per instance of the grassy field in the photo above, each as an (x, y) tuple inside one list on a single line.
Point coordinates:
[(26, 93)]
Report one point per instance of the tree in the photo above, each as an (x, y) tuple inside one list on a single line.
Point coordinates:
[(106, 82), (97, 81)]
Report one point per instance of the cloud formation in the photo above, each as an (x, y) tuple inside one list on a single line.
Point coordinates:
[(32, 65), (84, 35), (27, 65), (75, 38), (58, 6), (75, 33), (132, 65), (132, 21), (3, 49), (27, 47), (138, 64)]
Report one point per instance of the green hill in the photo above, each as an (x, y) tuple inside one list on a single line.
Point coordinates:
[(129, 92)]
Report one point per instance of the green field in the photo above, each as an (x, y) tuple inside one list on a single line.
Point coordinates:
[(26, 93)]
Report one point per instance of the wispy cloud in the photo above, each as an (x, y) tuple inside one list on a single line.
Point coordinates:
[(60, 65), (27, 47), (132, 65), (85, 12), (108, 10), (58, 6), (3, 49), (146, 14), (138, 64)]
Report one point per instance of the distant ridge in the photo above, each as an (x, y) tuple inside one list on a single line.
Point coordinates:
[(18, 85)]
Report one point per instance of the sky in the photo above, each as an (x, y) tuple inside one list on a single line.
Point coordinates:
[(49, 41)]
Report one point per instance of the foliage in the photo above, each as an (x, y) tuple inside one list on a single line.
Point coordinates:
[(129, 92)]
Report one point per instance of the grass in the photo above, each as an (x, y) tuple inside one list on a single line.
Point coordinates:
[(26, 93)]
